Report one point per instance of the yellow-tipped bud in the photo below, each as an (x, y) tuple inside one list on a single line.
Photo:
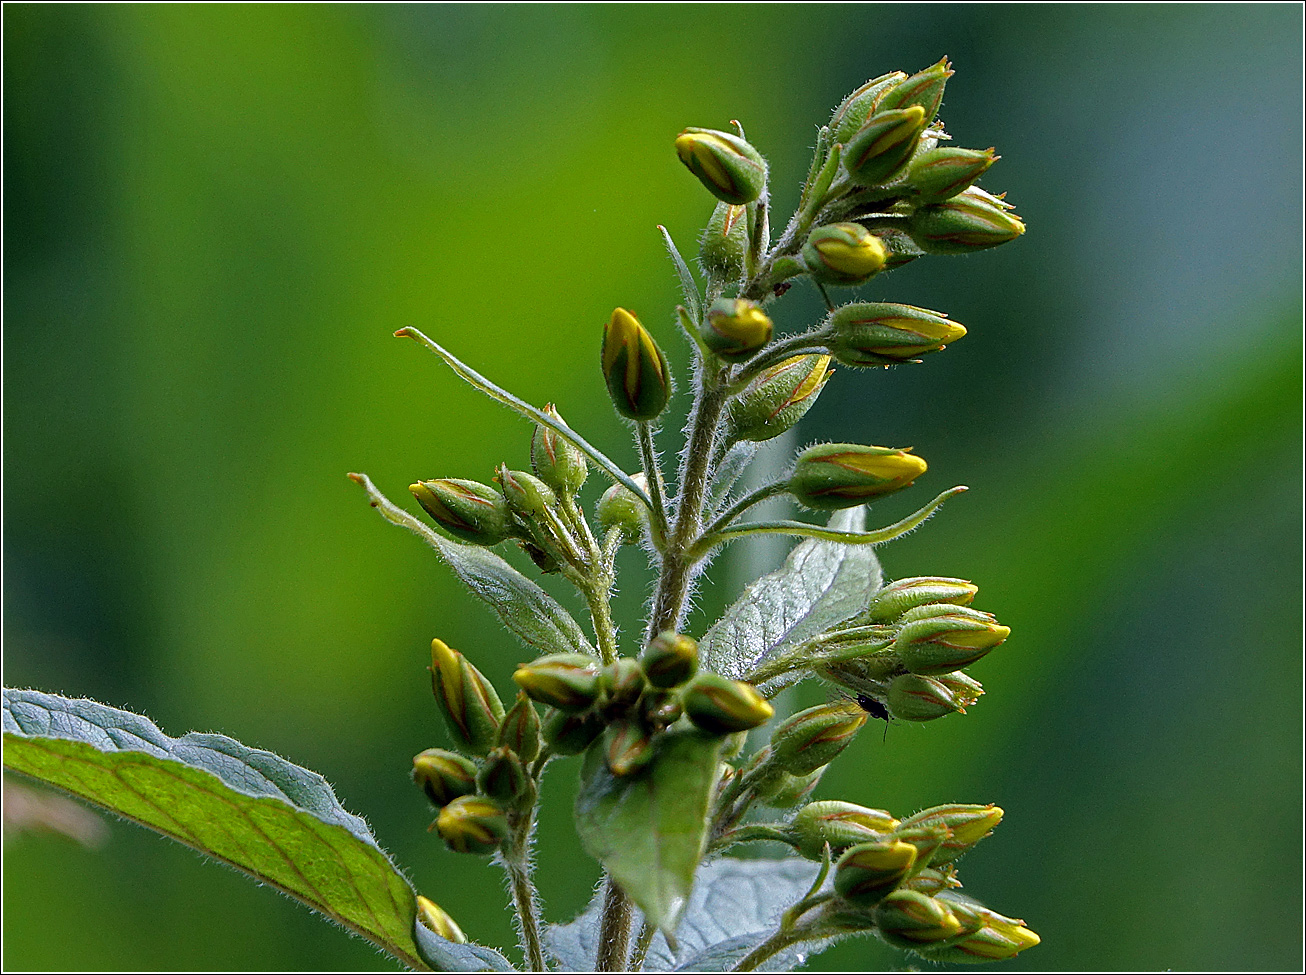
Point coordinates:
[(843, 253), (841, 475), (731, 169), (722, 706), (636, 371), (735, 328), (430, 914)]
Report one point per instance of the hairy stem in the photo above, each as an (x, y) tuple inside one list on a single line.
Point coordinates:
[(773, 945), (642, 943), (656, 489), (614, 935)]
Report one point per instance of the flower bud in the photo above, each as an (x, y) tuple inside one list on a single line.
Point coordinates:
[(932, 880), (965, 690), (502, 776), (660, 708), (841, 475), (895, 598), (567, 681), (940, 174), (947, 642), (471, 706), (968, 825), (731, 169), (468, 510), (970, 221), (619, 508), (784, 791), (925, 89), (529, 499), (915, 698), (926, 837), (882, 147), (670, 659), (444, 775), (908, 919), (854, 111), (556, 462), (841, 824), (520, 729), (813, 738), (621, 683), (634, 368), (472, 824), (735, 328), (570, 734), (900, 247), (724, 243), (885, 333), (721, 706), (865, 873), (629, 747), (843, 253), (986, 934), (777, 397), (434, 917)]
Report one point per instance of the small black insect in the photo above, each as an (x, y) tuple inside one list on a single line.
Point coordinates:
[(876, 710)]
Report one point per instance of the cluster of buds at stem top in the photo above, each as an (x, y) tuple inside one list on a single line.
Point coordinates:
[(618, 508), (468, 510), (735, 328), (731, 169), (885, 333), (777, 397), (843, 253), (724, 243), (634, 368), (970, 221), (555, 461), (840, 475)]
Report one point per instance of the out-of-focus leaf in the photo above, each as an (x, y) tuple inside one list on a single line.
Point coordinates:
[(688, 286), (820, 584), (450, 956), (648, 829), (249, 808)]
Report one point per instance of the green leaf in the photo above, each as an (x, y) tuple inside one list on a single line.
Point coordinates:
[(249, 808), (688, 286), (450, 956), (735, 906), (649, 829), (821, 583), (523, 607)]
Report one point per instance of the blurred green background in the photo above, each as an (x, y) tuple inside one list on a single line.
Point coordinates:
[(216, 216)]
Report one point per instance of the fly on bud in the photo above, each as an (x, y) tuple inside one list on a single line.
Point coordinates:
[(722, 706), (886, 333), (813, 738), (471, 706), (778, 397), (840, 824), (924, 89), (970, 221), (869, 871), (843, 253), (469, 510), (566, 681), (472, 824), (735, 328), (724, 243), (948, 641), (444, 775), (895, 598), (557, 463), (433, 916), (968, 824), (909, 919), (670, 659), (619, 508), (634, 368), (940, 174), (915, 698), (883, 146), (841, 475), (731, 169)]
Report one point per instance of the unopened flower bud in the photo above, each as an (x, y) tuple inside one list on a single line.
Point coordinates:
[(468, 510), (931, 880), (529, 499), (520, 729), (986, 934), (843, 253), (813, 738), (970, 221), (968, 825), (622, 683), (784, 791), (430, 914), (503, 776), (854, 111), (915, 698), (841, 824), (629, 747), (660, 708), (940, 174), (634, 368), (885, 333), (928, 838), (881, 148), (965, 690), (570, 734), (841, 475), (777, 397), (472, 824), (620, 508), (566, 681), (556, 462), (947, 642), (721, 706), (925, 89), (731, 169), (735, 328), (670, 659), (865, 873), (908, 918), (444, 775), (724, 243), (469, 702), (895, 598)]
